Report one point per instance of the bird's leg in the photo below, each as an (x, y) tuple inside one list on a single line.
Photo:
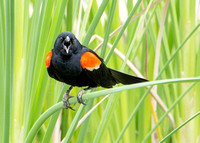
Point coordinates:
[(66, 97), (81, 92)]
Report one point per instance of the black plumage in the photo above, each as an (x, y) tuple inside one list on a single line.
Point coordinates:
[(68, 63)]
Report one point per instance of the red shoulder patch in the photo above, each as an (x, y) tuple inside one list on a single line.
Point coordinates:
[(48, 58), (90, 61)]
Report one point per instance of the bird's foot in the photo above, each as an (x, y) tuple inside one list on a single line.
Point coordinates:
[(66, 98), (79, 97)]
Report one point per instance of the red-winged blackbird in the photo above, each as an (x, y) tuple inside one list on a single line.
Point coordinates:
[(76, 65)]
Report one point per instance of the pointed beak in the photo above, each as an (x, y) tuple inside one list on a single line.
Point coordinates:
[(67, 39), (67, 44)]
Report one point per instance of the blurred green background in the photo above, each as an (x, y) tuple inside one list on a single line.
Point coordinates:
[(155, 39)]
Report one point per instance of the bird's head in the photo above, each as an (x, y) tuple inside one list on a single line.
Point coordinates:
[(66, 43)]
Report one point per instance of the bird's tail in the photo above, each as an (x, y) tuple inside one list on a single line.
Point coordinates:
[(126, 78)]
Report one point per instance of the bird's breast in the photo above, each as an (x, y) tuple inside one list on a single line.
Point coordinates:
[(67, 66)]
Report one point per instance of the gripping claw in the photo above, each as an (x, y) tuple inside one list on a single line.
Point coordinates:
[(66, 98), (79, 97)]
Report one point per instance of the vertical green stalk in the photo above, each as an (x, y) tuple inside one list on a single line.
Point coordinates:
[(9, 50), (187, 23), (122, 31), (187, 20), (141, 21), (85, 125), (113, 99), (85, 19), (108, 28), (30, 53), (197, 90), (141, 101), (69, 23), (19, 72), (106, 117), (45, 42), (74, 124), (2, 68), (95, 22)]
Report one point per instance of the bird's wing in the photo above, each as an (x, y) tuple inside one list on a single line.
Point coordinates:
[(125, 78), (95, 69), (103, 76)]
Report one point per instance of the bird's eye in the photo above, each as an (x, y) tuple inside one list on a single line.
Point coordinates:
[(62, 39)]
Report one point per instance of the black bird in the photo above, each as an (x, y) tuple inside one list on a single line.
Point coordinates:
[(76, 65)]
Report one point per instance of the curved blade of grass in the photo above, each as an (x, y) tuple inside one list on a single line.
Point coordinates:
[(41, 120), (96, 94), (52, 122), (133, 86)]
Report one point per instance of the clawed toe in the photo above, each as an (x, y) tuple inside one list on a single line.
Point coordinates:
[(66, 98), (79, 97), (66, 102)]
